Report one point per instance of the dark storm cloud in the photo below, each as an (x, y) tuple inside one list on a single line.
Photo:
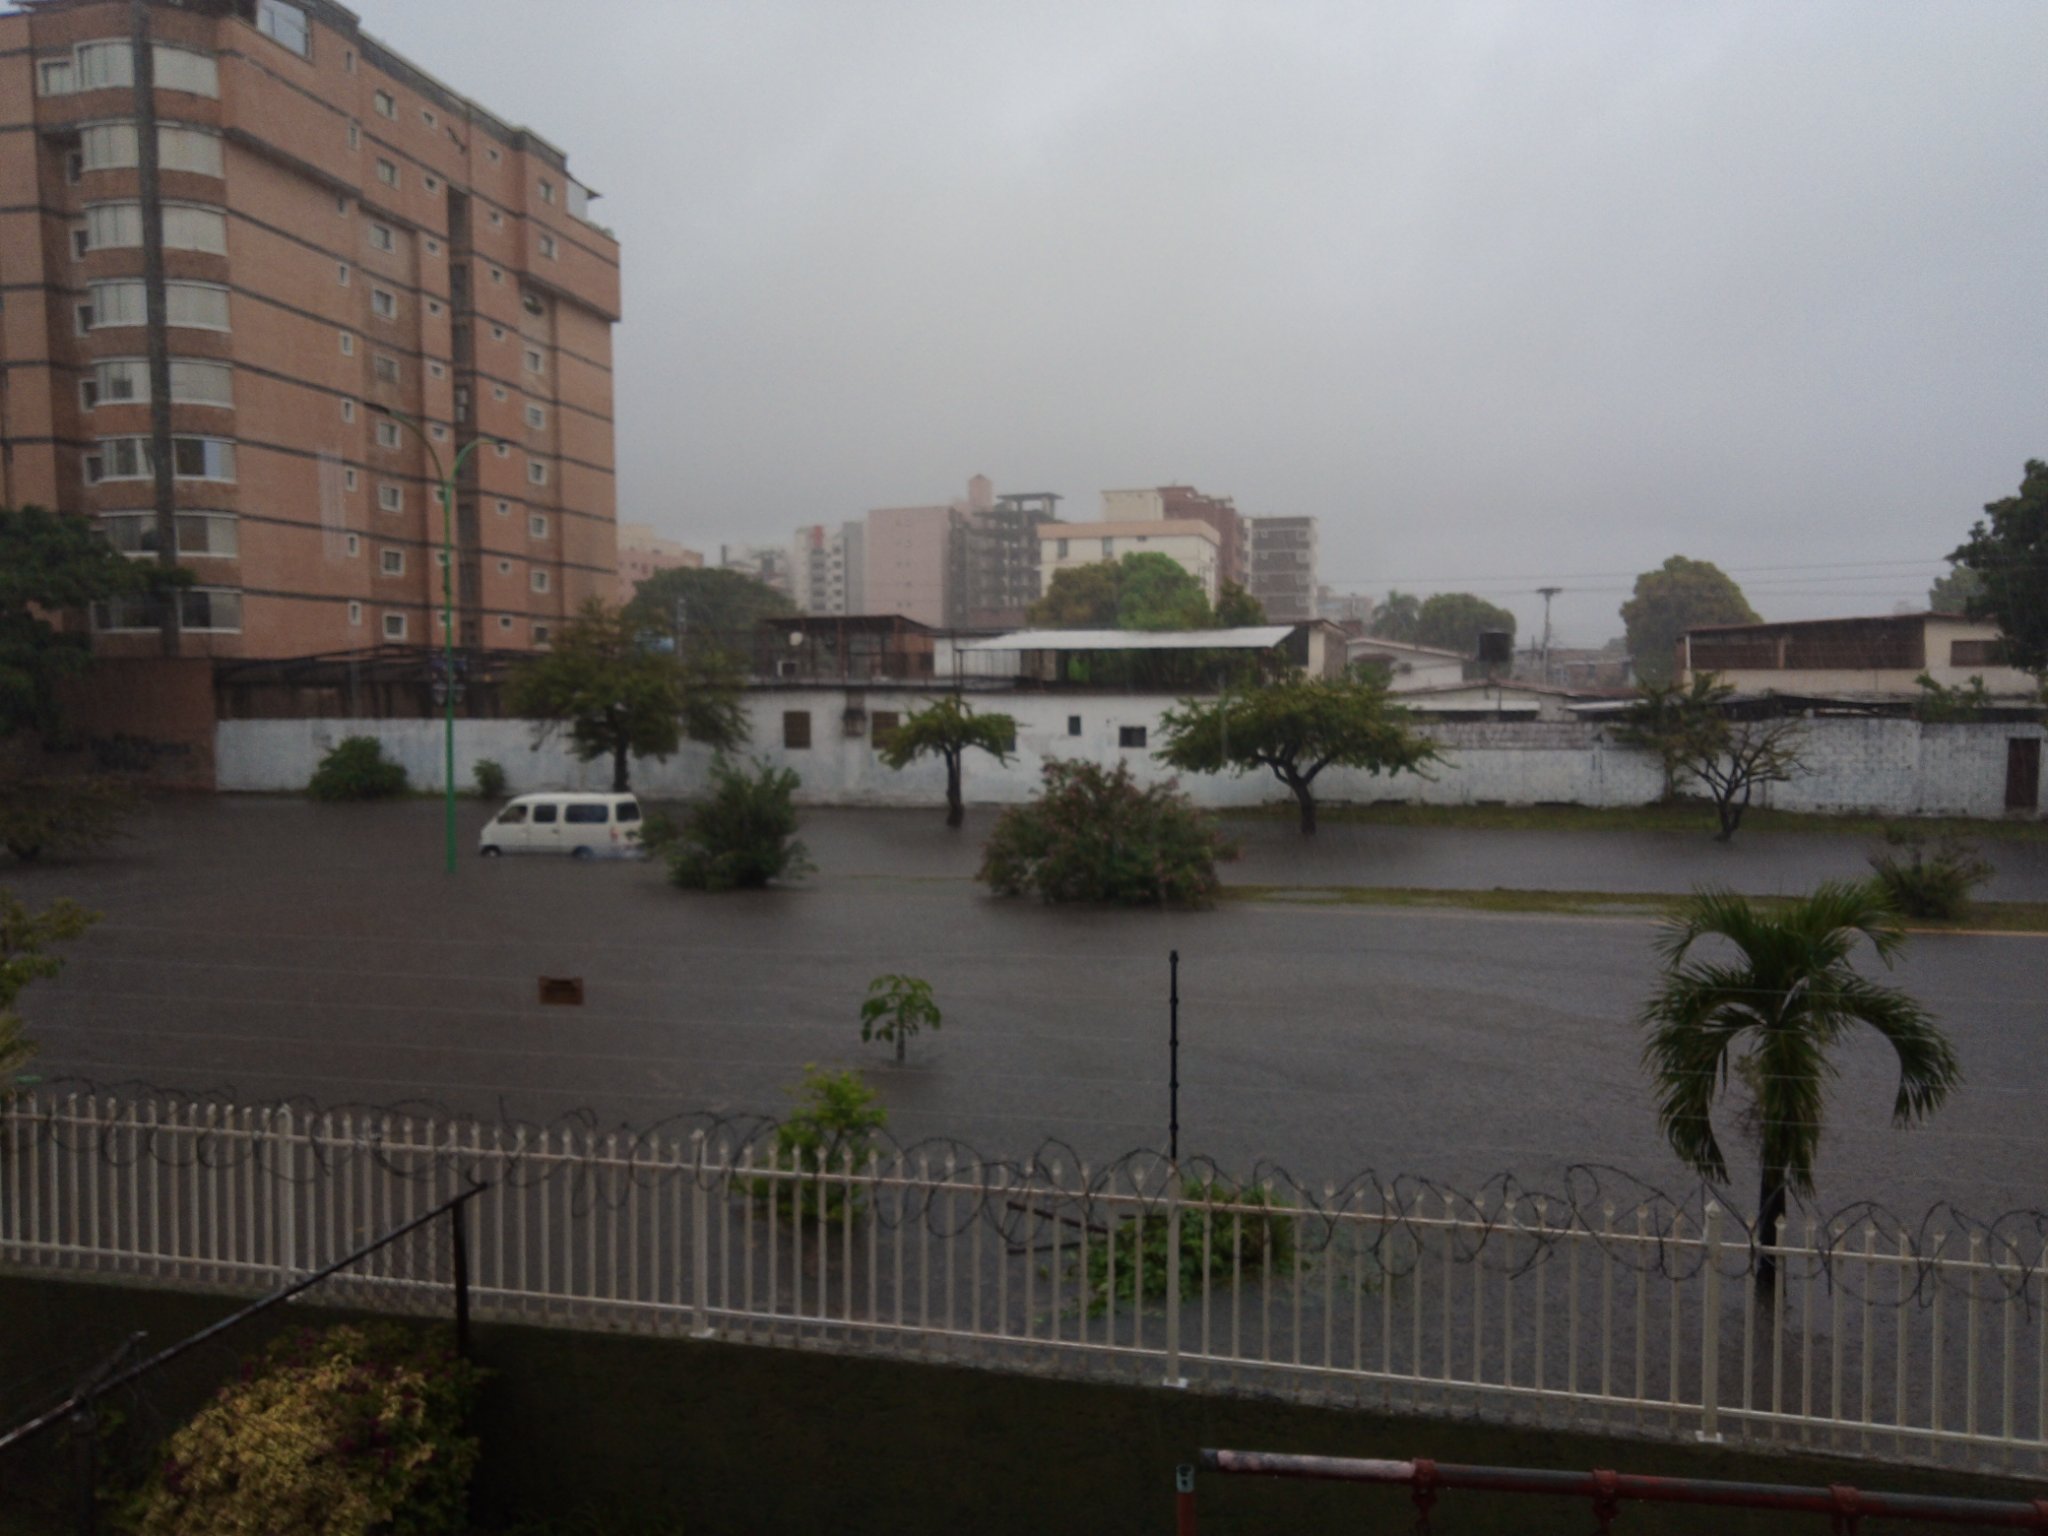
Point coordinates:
[(1504, 294)]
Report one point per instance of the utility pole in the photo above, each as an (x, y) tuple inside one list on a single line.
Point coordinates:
[(1547, 593)]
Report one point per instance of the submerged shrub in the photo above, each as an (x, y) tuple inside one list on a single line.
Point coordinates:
[(355, 768), (1227, 1235), (831, 1128), (1092, 834), (62, 815), (1923, 881), (744, 835)]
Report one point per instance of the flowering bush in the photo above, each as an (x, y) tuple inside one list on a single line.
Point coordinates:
[(1095, 835), (346, 1432)]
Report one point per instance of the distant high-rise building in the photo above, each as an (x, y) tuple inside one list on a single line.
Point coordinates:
[(642, 552), (361, 271), (766, 563), (909, 562), (1283, 571), (1183, 503), (828, 569), (995, 576)]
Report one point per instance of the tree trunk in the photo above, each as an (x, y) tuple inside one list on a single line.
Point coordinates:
[(902, 1037), (1770, 1207), (622, 779), (1307, 799), (956, 813)]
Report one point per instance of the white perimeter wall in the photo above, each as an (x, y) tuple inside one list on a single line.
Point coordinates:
[(1897, 766)]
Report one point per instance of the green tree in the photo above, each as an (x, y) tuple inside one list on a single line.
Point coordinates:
[(1296, 727), (2008, 552), (946, 729), (619, 698), (1692, 732), (1675, 722), (741, 838), (52, 563), (712, 609), (1451, 621), (1094, 834), (1778, 995), (27, 938), (1237, 608), (1955, 590), (1398, 618), (1680, 594), (896, 1008), (1140, 591)]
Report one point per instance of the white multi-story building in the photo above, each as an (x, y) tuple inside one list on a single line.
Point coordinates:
[(828, 572), (1283, 573), (766, 563), (1192, 546)]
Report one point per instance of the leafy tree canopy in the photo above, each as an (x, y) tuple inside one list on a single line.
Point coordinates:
[(1296, 727), (619, 698), (2008, 552), (1954, 591), (1680, 594), (1398, 618), (1142, 591), (54, 562), (1237, 608), (719, 610), (945, 729), (1452, 621)]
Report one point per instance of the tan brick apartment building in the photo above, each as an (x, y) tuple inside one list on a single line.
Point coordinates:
[(343, 236)]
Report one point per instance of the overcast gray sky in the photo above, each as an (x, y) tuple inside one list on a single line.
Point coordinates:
[(1505, 294)]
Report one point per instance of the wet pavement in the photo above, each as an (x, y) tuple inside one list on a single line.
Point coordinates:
[(273, 948)]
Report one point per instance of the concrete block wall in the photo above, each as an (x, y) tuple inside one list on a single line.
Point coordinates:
[(1892, 766)]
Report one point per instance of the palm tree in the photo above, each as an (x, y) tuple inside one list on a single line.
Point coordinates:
[(1777, 1004)]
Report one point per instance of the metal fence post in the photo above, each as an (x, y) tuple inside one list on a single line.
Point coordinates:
[(1710, 1331), (1173, 1375), (700, 1242), (458, 1232)]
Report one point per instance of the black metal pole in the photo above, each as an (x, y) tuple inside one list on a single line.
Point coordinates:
[(458, 1224), (1173, 1057)]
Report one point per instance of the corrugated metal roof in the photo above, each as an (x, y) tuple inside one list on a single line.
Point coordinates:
[(1257, 638)]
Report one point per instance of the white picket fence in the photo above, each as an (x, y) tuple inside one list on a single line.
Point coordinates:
[(1645, 1321)]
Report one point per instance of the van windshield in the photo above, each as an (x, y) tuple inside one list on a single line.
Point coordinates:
[(512, 816)]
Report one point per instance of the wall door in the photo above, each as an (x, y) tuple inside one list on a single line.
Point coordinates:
[(2023, 773)]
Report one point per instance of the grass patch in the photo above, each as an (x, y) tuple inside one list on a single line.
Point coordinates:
[(1985, 916), (1680, 816)]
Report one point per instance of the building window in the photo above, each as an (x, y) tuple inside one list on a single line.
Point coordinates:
[(348, 478), (504, 567), (355, 545), (387, 172), (438, 433), (504, 509), (536, 525), (285, 24), (498, 275), (54, 77), (497, 219), (540, 581), (796, 729), (437, 369), (355, 613), (385, 367), (427, 117), (355, 141), (128, 458), (882, 725), (385, 103), (547, 190), (433, 183), (536, 416), (536, 472), (82, 318), (1060, 551), (531, 303), (341, 273), (201, 535), (547, 246), (434, 307), (498, 334), (183, 69), (348, 344), (348, 410), (491, 153), (193, 382), (433, 246), (1130, 735), (536, 360), (502, 450), (391, 498), (387, 433), (1073, 725), (383, 304), (348, 60), (394, 626), (391, 562), (381, 238), (498, 393), (1108, 548), (504, 621), (540, 634)]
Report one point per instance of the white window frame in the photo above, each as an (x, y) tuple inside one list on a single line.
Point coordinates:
[(536, 416), (348, 343), (355, 612), (384, 104), (383, 303), (538, 579), (390, 497), (390, 562), (387, 432), (384, 368), (380, 237), (537, 525), (278, 20), (536, 472), (536, 360), (394, 625), (547, 247)]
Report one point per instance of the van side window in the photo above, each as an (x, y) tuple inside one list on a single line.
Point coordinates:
[(512, 816), (584, 814), (545, 813), (629, 812)]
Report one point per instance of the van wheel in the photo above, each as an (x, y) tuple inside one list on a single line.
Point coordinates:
[(582, 853), (491, 850)]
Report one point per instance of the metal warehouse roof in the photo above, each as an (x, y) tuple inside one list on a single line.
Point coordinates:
[(1258, 638)]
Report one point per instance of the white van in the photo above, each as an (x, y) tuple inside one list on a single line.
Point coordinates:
[(582, 826)]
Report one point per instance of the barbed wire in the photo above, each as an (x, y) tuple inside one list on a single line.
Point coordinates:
[(1392, 1222)]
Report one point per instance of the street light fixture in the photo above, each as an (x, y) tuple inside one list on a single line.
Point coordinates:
[(446, 480)]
